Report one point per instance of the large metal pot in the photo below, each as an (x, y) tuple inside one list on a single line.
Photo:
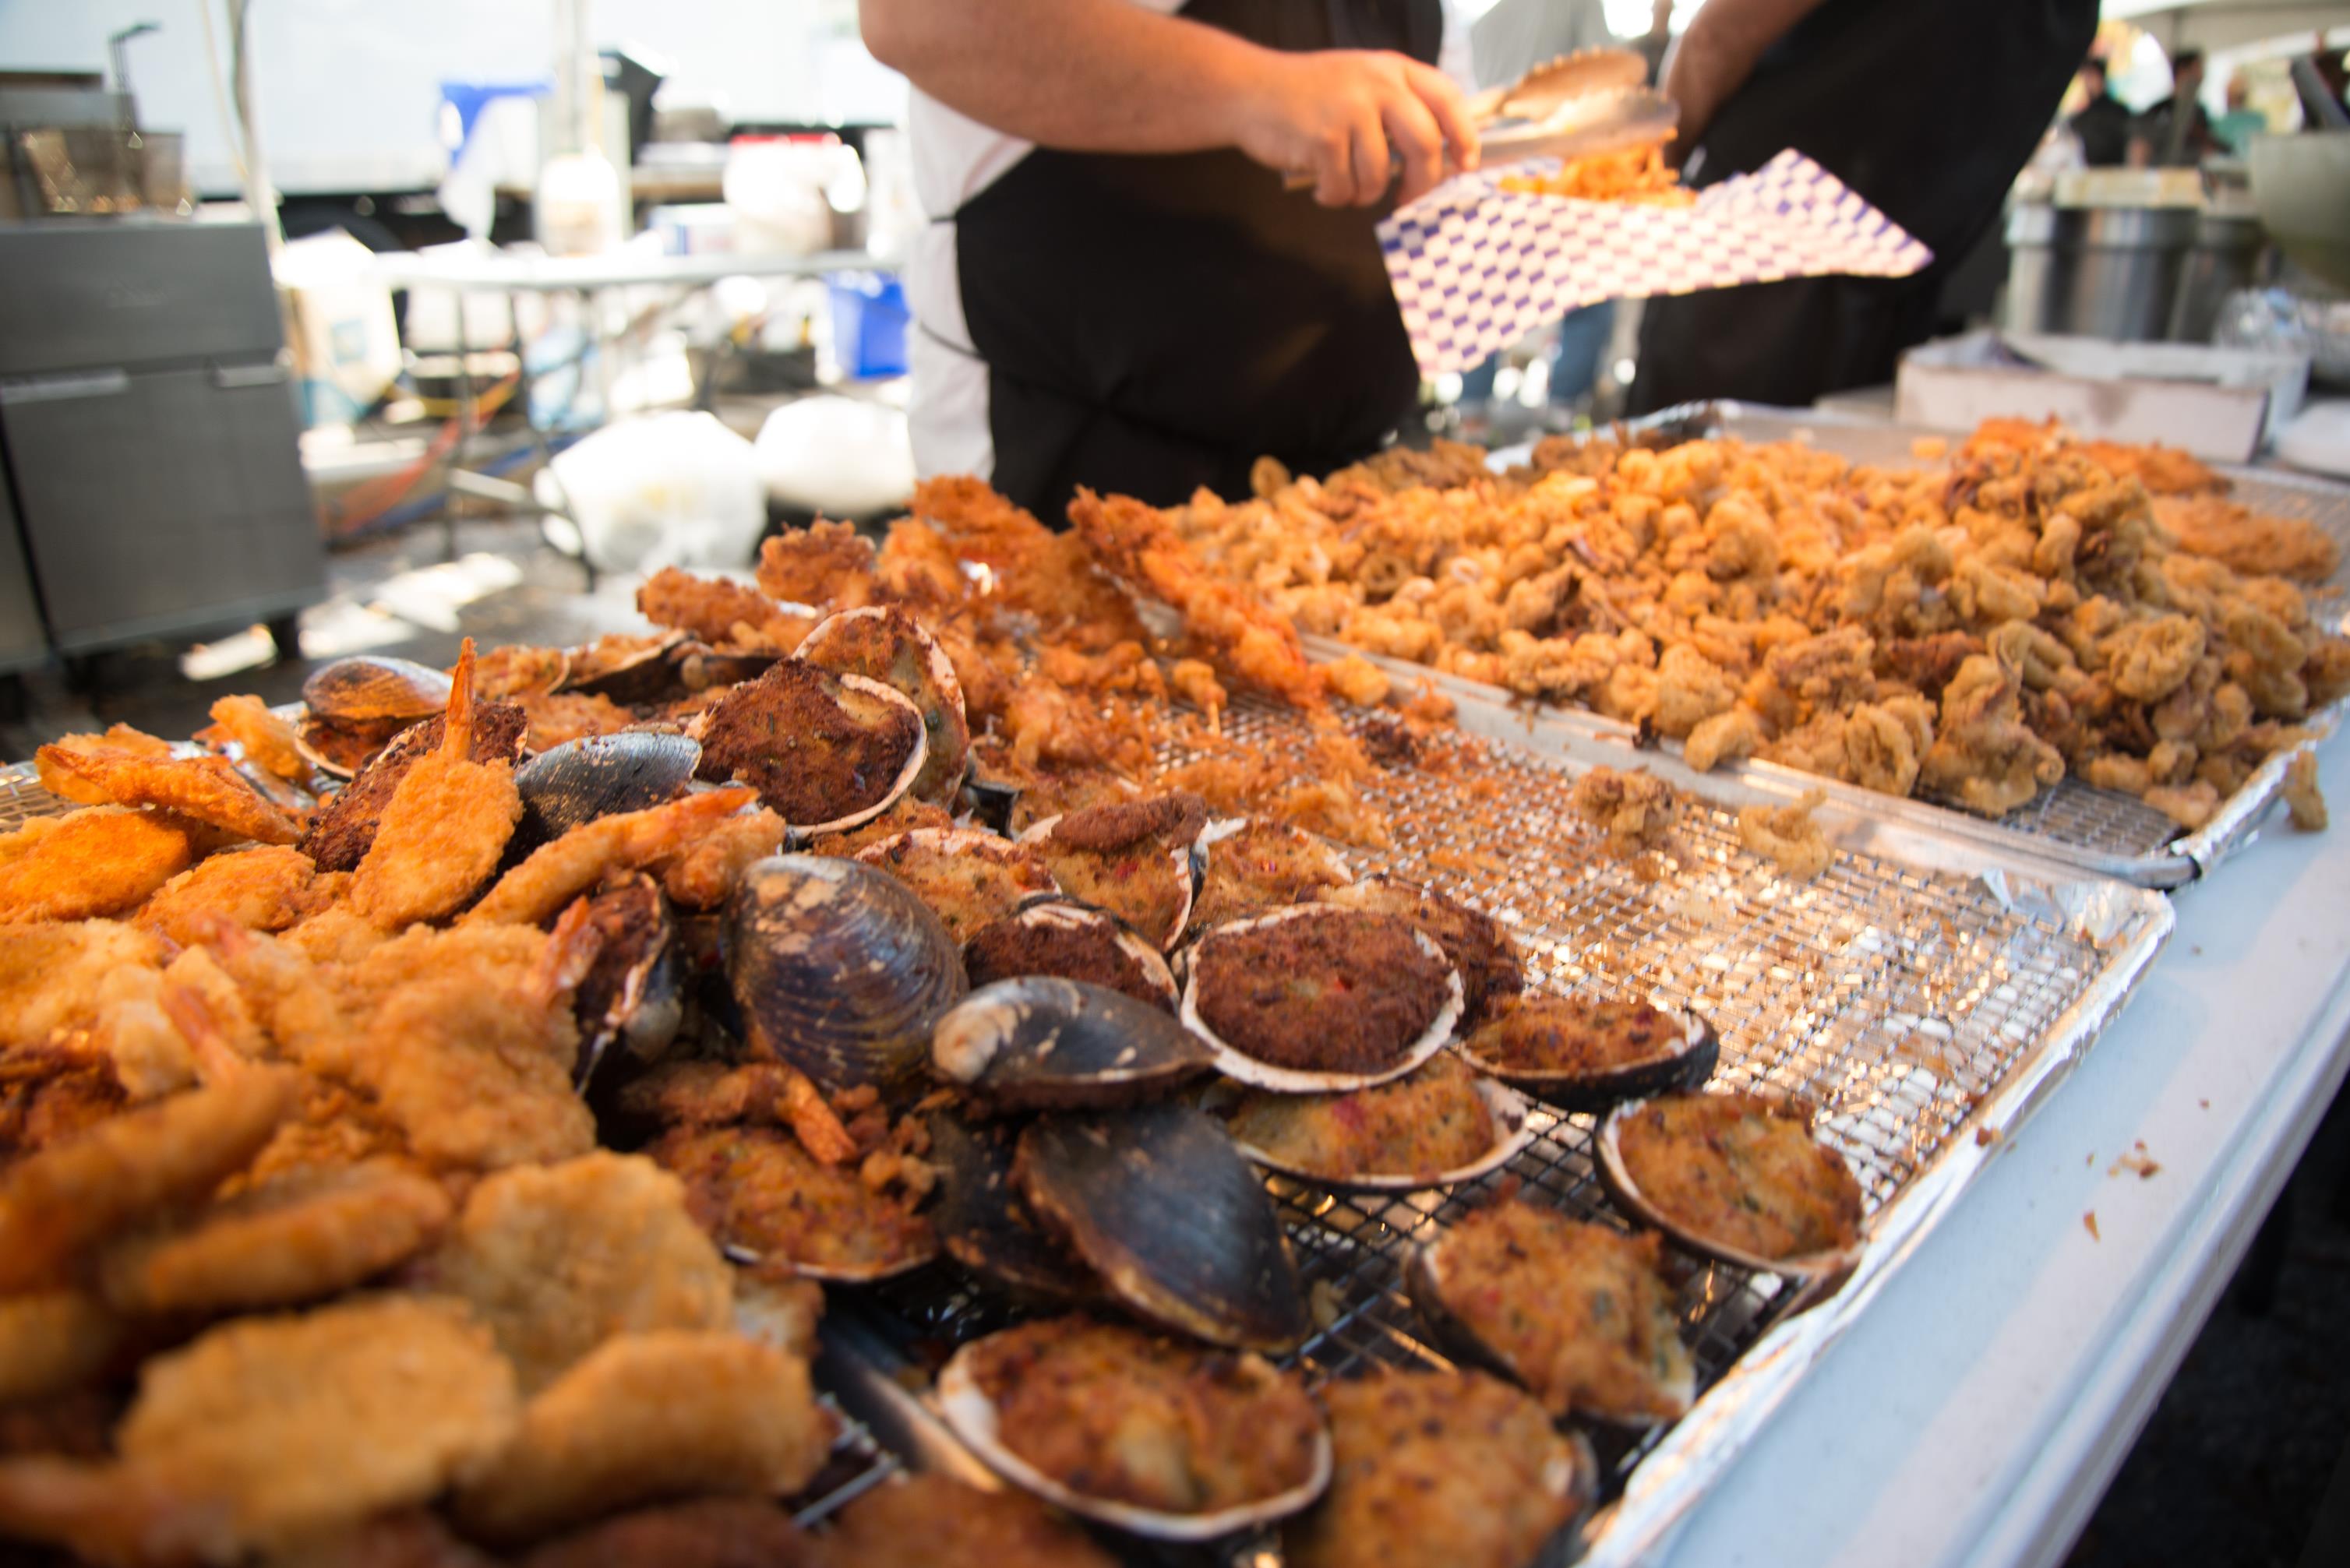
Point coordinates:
[(2225, 258), (2097, 272)]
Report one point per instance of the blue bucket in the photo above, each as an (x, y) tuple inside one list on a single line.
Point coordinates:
[(869, 324)]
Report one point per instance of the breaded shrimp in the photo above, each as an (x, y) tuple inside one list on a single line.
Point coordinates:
[(268, 740), (556, 873), (206, 789), (120, 740), (446, 826)]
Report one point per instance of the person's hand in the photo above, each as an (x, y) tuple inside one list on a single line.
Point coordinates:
[(1351, 118)]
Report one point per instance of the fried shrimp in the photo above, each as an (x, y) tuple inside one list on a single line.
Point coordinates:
[(265, 888), (53, 1341), (55, 1203), (102, 860), (119, 740), (446, 826), (268, 740), (556, 873), (651, 1415), (267, 1431), (558, 1259), (298, 1236), (204, 789)]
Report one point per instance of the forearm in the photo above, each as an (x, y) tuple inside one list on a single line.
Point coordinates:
[(1719, 52), (1102, 76)]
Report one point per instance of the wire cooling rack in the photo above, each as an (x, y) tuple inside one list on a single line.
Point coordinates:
[(858, 1463), (1908, 1006)]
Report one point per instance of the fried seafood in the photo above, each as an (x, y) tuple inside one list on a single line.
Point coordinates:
[(760, 1195), (1322, 990), (647, 1416), (102, 860), (822, 750), (1118, 1415), (1427, 1122), (298, 1236), (344, 828), (1437, 1470), (2306, 801), (555, 717), (80, 1192), (932, 1520), (54, 1341), (823, 563), (558, 1259), (268, 740), (1130, 857), (1787, 836), (119, 740), (203, 789), (709, 1532), (263, 889), (1637, 175), (969, 880), (267, 1431), (663, 837), (50, 1093), (1635, 810), (720, 612), (1255, 867), (445, 827), (1741, 1173)]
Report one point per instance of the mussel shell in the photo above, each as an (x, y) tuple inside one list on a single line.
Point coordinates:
[(1040, 1043), (918, 668), (374, 686), (1178, 1225), (1423, 1283), (838, 970), (985, 1224), (343, 750), (1608, 1152), (630, 1002), (1690, 1062), (646, 674), (971, 1415), (700, 667), (1057, 914), (1513, 1129), (600, 776), (990, 802), (1235, 1063)]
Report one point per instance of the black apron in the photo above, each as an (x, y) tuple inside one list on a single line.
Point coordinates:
[(1153, 323), (1926, 108)]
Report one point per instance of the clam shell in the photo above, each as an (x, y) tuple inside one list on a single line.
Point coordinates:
[(1051, 909), (958, 842), (1478, 945), (1204, 860), (600, 776), (1624, 1192), (1176, 1224), (896, 788), (971, 1415), (1423, 1275), (1687, 1066), (933, 687), (1235, 1063), (838, 970), (374, 686), (1511, 1118), (986, 1225), (1040, 1043), (1187, 867)]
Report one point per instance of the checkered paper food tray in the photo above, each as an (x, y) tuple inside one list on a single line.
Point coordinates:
[(1476, 267)]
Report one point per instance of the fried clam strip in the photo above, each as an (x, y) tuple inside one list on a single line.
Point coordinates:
[(300, 1237), (101, 861), (269, 1431), (558, 1259), (57, 1203), (554, 874), (1138, 545), (204, 789), (268, 740), (445, 827), (645, 1416)]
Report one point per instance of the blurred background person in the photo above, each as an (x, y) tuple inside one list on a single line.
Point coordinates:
[(2236, 129), (2176, 132), (1926, 108), (2103, 124)]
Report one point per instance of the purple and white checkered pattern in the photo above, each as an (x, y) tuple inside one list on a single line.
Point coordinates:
[(1475, 267)]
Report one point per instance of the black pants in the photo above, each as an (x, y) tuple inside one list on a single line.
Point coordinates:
[(1926, 108)]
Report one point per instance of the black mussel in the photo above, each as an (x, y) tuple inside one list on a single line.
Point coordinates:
[(630, 1002), (1475, 943), (368, 688), (1040, 1043), (1178, 1226), (627, 669), (700, 667), (986, 1225), (1051, 935), (1586, 1053), (990, 802), (838, 970), (882, 642), (600, 776)]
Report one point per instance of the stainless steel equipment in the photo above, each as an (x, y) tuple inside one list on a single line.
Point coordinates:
[(2224, 258), (150, 433), (2101, 272)]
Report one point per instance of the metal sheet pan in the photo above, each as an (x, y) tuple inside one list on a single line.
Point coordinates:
[(1925, 994), (2101, 831)]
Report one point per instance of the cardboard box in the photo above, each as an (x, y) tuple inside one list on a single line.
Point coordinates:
[(339, 325), (2221, 404)]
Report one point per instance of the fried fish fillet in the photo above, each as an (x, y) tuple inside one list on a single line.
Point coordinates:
[(55, 1204), (265, 888), (556, 1258), (301, 1236), (644, 1417), (205, 789), (101, 861)]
